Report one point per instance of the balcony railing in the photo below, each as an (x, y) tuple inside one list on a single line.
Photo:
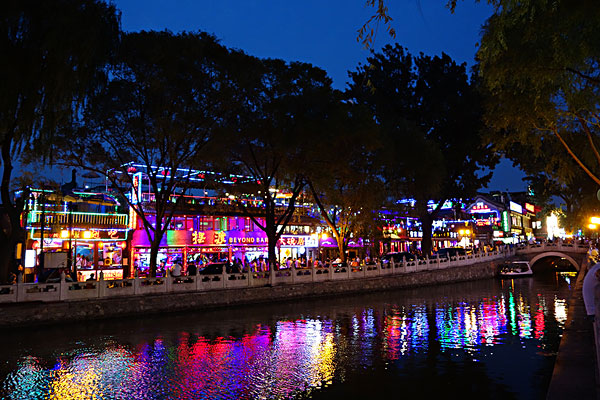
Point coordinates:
[(80, 219)]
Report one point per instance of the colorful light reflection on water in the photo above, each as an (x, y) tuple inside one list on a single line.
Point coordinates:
[(312, 349)]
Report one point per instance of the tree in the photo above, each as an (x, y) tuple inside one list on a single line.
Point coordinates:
[(551, 176), (55, 53), (540, 62), (168, 97), (430, 117), (343, 175), (282, 116)]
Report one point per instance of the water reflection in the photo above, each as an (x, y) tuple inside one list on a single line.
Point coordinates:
[(311, 349)]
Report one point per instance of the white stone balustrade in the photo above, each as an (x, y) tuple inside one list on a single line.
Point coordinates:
[(73, 291)]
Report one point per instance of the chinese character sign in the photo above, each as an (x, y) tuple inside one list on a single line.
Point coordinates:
[(198, 238)]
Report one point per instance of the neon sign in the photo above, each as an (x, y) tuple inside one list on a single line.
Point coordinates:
[(136, 188), (293, 241), (515, 207), (505, 221), (480, 207), (530, 207), (198, 237)]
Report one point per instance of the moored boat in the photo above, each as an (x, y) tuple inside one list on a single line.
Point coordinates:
[(514, 269)]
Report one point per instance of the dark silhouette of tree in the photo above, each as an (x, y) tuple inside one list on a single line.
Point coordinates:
[(430, 117), (168, 97), (283, 114), (343, 174), (540, 62), (54, 54)]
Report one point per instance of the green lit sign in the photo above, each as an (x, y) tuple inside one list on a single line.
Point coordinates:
[(505, 222)]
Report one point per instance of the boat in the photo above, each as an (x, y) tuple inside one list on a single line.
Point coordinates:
[(514, 269)]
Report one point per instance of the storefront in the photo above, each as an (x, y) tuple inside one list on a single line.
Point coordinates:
[(95, 251), (297, 247), (486, 216)]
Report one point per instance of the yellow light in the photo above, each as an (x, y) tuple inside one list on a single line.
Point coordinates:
[(595, 220), (64, 234), (462, 231), (324, 236), (87, 234), (467, 232), (592, 226)]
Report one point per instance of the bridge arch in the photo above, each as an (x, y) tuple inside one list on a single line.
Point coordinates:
[(554, 254)]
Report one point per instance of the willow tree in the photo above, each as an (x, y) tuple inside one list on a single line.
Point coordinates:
[(167, 99), (540, 60), (54, 57)]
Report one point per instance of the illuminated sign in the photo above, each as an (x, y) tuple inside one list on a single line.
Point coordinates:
[(530, 207), (480, 207), (515, 207), (483, 222), (505, 222), (198, 238), (292, 241), (297, 241), (136, 188)]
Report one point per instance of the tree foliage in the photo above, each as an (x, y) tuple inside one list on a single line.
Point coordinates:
[(284, 107), (344, 173), (540, 61), (54, 56), (430, 117), (168, 97)]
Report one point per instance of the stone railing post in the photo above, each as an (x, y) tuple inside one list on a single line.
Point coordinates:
[(294, 272), (224, 276), (378, 266), (438, 261), (198, 280), (330, 272), (168, 281), (250, 276), (101, 285), (136, 284), (313, 272), (62, 287)]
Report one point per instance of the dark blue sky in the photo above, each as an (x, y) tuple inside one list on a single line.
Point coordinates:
[(323, 33)]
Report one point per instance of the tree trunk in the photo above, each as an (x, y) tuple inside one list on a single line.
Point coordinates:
[(154, 246), (271, 240), (426, 242), (341, 245)]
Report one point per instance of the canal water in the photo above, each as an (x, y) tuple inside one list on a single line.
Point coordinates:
[(489, 339)]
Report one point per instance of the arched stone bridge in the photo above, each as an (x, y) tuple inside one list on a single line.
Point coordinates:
[(574, 253)]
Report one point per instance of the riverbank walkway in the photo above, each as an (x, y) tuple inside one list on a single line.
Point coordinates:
[(575, 369)]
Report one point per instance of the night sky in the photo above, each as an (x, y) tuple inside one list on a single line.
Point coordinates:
[(322, 33)]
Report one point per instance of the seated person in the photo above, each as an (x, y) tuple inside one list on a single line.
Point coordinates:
[(176, 269)]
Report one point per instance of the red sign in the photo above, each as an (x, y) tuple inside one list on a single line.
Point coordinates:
[(480, 207), (530, 207), (292, 241)]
